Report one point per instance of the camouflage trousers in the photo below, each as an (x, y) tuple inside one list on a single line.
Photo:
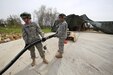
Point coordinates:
[(61, 45), (39, 47)]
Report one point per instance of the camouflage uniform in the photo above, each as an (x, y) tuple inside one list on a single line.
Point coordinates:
[(31, 33), (62, 34)]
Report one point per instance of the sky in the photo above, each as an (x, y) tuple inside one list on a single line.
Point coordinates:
[(97, 10)]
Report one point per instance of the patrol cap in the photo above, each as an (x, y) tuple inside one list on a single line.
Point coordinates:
[(62, 15), (25, 15)]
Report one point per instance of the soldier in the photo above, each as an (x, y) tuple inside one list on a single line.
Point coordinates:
[(32, 32), (61, 34)]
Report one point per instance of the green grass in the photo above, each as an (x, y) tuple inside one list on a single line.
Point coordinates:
[(46, 30), (10, 30), (18, 30)]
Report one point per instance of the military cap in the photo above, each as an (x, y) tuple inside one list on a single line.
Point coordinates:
[(25, 15)]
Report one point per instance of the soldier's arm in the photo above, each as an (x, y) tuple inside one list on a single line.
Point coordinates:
[(39, 30), (62, 30), (24, 35)]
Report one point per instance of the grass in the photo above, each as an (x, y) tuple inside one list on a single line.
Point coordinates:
[(14, 30), (10, 30), (46, 30)]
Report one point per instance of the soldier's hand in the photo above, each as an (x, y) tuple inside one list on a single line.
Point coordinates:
[(26, 45), (44, 39), (55, 35)]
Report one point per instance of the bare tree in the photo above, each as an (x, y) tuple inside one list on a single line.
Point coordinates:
[(2, 23), (40, 15), (13, 21), (46, 16), (54, 16)]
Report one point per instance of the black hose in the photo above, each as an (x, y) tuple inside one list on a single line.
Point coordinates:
[(21, 52)]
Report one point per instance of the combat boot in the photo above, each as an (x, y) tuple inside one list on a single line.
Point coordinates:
[(59, 55), (33, 62), (45, 61)]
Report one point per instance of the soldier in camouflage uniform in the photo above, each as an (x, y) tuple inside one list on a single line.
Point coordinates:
[(32, 32), (61, 34)]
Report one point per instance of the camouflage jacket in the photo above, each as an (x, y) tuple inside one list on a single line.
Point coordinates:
[(31, 32), (62, 30)]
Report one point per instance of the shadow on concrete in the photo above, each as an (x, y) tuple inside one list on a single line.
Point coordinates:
[(42, 69)]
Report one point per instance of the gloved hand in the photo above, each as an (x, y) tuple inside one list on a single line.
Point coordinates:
[(55, 35), (26, 45), (44, 39), (45, 47)]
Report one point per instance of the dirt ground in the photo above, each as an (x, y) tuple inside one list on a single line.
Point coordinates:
[(9, 37)]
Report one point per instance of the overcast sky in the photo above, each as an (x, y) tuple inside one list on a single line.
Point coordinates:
[(95, 9)]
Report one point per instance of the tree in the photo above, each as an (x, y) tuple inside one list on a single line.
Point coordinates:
[(13, 21), (2, 23), (45, 16), (40, 15)]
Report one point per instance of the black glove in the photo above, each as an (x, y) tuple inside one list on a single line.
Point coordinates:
[(44, 39), (55, 35), (26, 45), (45, 47)]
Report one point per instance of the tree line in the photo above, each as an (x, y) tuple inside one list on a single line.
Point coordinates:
[(45, 17)]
